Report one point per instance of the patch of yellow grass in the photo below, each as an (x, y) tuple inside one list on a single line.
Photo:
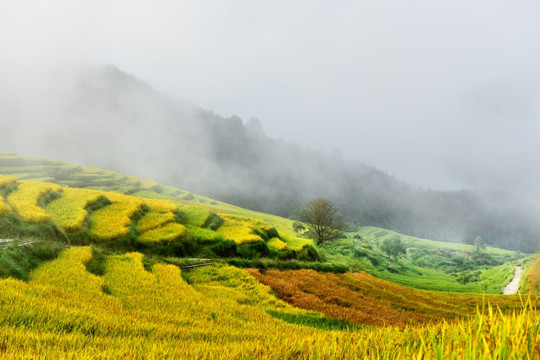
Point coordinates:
[(68, 272), (153, 219), (6, 179), (164, 234), (111, 221), (240, 229), (24, 200), (277, 244), (161, 213), (69, 210), (533, 277)]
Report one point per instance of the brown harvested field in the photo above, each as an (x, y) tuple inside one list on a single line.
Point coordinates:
[(364, 299)]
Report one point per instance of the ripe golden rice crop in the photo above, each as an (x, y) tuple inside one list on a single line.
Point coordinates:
[(111, 221), (152, 220), (157, 315), (24, 200), (167, 233), (161, 212), (161, 205), (68, 272), (195, 215), (533, 277), (69, 210), (4, 208), (5, 180), (277, 244), (240, 229), (223, 281)]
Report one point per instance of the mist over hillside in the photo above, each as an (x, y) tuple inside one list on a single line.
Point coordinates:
[(100, 116)]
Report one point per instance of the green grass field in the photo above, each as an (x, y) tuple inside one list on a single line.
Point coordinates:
[(427, 264)]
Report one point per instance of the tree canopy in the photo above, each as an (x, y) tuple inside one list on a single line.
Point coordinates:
[(323, 219)]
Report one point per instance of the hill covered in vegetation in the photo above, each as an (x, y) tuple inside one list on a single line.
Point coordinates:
[(95, 112), (166, 225), (76, 205), (91, 273)]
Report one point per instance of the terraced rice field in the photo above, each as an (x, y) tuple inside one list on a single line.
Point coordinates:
[(197, 209), (64, 312), (114, 216)]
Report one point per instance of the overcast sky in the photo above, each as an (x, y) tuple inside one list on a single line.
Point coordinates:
[(444, 94)]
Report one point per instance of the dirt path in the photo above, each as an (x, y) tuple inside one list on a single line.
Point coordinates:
[(4, 243), (512, 287)]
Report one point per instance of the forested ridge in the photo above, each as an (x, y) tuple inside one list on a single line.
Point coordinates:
[(177, 143)]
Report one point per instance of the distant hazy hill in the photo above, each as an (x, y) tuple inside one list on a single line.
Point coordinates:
[(103, 117)]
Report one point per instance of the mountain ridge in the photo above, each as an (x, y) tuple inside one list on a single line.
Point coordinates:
[(104, 117)]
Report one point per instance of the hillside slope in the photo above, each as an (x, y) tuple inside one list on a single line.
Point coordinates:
[(164, 226), (109, 301), (426, 264), (103, 117), (129, 312), (71, 203)]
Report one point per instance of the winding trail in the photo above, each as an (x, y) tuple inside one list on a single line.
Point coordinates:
[(512, 287), (4, 243)]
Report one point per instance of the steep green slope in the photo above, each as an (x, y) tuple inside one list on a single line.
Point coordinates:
[(426, 264)]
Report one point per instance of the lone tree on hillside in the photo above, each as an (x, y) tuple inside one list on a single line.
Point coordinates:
[(323, 219)]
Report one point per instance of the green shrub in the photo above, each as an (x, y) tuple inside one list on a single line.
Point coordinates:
[(273, 233), (213, 222), (309, 253), (189, 197), (466, 277), (12, 227), (254, 250), (261, 234), (18, 261), (394, 268), (246, 263), (373, 260), (359, 252), (180, 217), (223, 247), (267, 235), (102, 202), (97, 264), (286, 255), (264, 264)]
